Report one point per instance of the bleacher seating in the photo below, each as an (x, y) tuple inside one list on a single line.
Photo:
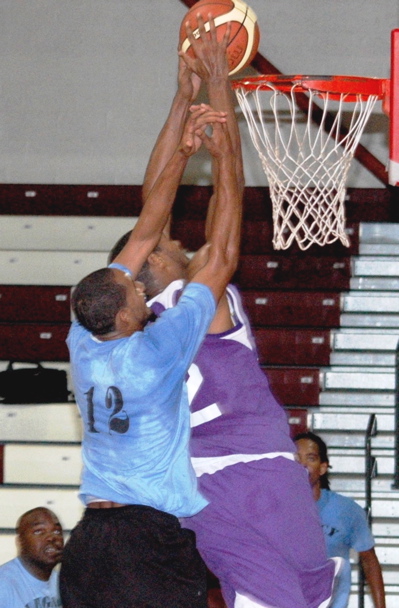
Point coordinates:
[(326, 328), (292, 308)]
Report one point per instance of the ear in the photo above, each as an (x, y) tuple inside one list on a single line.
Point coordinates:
[(323, 468), (155, 259), (122, 317)]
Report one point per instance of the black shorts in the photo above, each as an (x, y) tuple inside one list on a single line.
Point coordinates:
[(131, 557)]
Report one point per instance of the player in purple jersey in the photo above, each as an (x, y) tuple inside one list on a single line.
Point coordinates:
[(260, 534)]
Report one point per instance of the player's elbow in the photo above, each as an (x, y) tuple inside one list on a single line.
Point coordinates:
[(232, 256), (226, 259)]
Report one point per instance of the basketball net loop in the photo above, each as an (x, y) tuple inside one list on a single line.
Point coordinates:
[(306, 164)]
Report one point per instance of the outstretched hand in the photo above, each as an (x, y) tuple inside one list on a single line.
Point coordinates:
[(200, 118), (210, 59)]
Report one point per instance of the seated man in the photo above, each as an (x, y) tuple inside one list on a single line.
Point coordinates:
[(344, 522), (30, 580)]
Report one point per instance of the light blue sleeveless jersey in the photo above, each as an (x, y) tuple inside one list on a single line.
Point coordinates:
[(133, 401)]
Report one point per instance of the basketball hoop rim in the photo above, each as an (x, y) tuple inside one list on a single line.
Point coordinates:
[(347, 88)]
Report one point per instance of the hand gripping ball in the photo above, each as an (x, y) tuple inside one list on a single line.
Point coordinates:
[(244, 37)]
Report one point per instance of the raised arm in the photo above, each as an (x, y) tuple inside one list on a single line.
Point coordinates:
[(224, 239), (148, 229), (210, 63), (171, 132)]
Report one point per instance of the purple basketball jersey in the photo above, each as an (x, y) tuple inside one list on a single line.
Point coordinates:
[(233, 410), (260, 533)]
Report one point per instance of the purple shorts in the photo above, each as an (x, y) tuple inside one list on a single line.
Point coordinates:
[(261, 534)]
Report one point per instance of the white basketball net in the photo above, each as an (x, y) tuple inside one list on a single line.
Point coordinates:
[(306, 166)]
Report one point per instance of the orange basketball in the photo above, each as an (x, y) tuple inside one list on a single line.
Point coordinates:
[(244, 37)]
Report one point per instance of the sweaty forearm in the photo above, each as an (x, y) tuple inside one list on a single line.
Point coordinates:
[(221, 98), (154, 215), (159, 201), (226, 224), (166, 143)]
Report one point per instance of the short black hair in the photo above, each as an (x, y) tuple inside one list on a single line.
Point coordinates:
[(96, 301), (323, 454)]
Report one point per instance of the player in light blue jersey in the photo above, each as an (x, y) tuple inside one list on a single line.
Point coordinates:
[(243, 453), (344, 522), (129, 549)]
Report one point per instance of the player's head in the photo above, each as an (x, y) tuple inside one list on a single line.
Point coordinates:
[(108, 298), (40, 541), (168, 262), (312, 454)]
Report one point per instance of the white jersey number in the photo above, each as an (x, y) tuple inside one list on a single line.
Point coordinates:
[(209, 412)]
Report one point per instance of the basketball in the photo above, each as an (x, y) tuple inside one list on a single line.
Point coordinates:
[(244, 36)]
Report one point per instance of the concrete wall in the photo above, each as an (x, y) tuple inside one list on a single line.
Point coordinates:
[(86, 84)]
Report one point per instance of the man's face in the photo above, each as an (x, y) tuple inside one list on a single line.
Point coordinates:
[(174, 257), (40, 539), (135, 299), (308, 456)]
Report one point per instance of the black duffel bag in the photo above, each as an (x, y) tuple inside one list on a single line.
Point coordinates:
[(33, 385)]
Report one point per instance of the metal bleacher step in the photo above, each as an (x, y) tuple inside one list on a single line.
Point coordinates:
[(381, 302), (375, 266), (369, 320), (53, 364), (387, 554), (372, 233), (374, 283), (364, 347), (50, 422), (385, 506), (17, 499), (7, 545), (351, 461), (352, 419), (376, 269), (370, 309), (348, 484), (68, 233), (381, 339), (382, 249), (375, 399), (27, 463), (363, 359), (391, 578), (355, 378), (355, 439), (59, 268), (391, 599), (385, 528)]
